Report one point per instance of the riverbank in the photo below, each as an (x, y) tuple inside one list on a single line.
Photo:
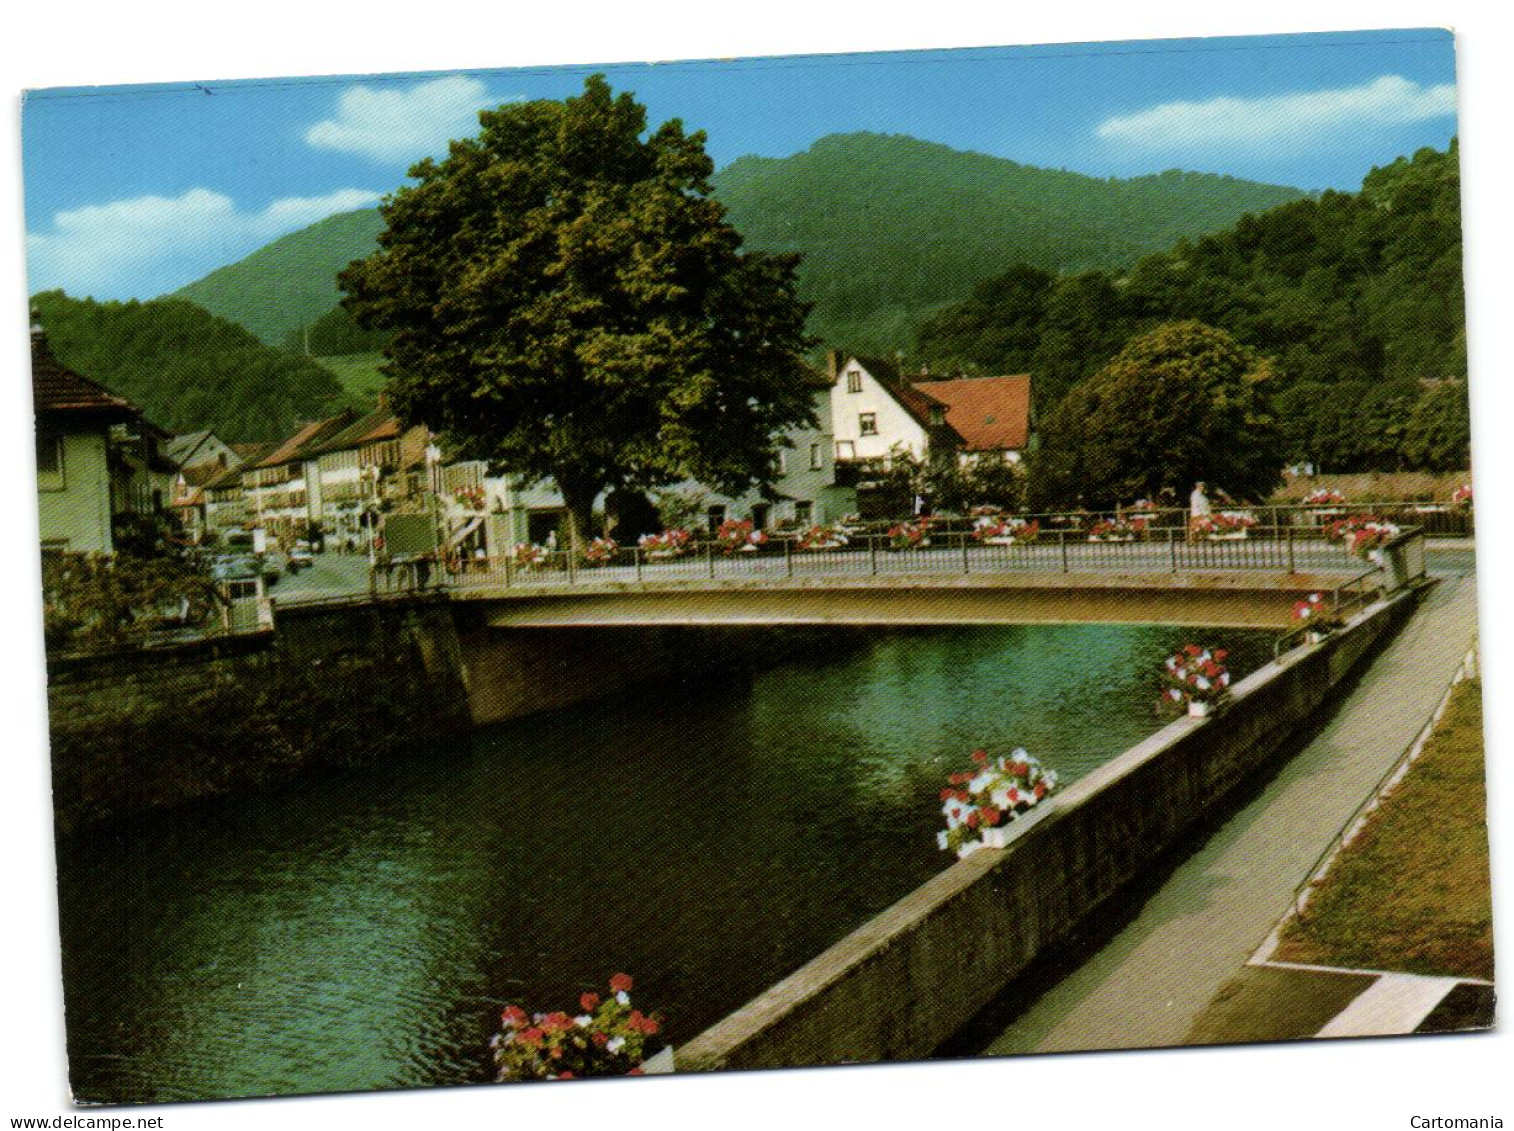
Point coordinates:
[(1412, 892)]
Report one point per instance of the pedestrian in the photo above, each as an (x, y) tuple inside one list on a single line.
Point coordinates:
[(1198, 506)]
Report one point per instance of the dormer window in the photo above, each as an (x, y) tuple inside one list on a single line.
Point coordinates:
[(854, 380), (937, 414)]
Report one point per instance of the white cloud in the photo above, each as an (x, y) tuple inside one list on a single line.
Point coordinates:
[(150, 244), (1238, 122), (390, 125)]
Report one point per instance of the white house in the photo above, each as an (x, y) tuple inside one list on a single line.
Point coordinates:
[(875, 410)]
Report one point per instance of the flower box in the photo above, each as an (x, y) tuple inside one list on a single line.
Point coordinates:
[(983, 803), (1231, 536), (1197, 680)]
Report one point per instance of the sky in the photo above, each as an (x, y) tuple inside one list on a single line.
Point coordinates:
[(134, 191)]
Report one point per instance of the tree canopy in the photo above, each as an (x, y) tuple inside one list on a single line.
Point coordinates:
[(1181, 404), (1356, 297), (188, 369), (566, 301)]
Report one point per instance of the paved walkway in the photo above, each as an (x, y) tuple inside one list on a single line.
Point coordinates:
[(1149, 984)]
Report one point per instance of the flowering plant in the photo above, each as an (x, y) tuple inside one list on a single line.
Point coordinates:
[(1004, 529), (528, 556), (1324, 497), (739, 534), (608, 1038), (1461, 498), (985, 510), (1115, 530), (1316, 613), (1361, 534), (909, 535), (822, 538), (470, 498), (670, 542), (1222, 524), (980, 803), (1195, 674), (600, 552), (1144, 506)]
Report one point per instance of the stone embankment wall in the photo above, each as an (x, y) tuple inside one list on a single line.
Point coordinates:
[(140, 730), (904, 983), (137, 731)]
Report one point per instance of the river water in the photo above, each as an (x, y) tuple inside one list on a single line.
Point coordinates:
[(364, 929)]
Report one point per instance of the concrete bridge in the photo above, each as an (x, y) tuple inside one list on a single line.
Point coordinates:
[(1250, 583)]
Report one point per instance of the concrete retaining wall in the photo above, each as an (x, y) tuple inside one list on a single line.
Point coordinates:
[(907, 981)]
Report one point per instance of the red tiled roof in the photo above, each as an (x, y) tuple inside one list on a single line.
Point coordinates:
[(989, 413), (56, 389), (307, 440), (380, 424)]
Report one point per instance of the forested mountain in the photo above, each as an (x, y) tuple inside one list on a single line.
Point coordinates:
[(186, 368), (1357, 298), (292, 281), (891, 227)]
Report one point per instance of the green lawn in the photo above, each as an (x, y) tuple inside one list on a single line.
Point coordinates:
[(358, 373), (1412, 892)]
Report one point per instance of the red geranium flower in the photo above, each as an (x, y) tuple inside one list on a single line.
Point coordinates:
[(980, 756), (589, 1002), (972, 819), (620, 983), (991, 815)]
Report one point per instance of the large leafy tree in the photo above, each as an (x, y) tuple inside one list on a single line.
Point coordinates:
[(1180, 404), (567, 301)]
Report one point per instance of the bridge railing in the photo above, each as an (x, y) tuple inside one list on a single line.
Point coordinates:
[(939, 552)]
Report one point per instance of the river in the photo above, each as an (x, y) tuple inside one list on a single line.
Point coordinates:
[(362, 930)]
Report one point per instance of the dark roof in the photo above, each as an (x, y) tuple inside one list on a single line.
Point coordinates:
[(57, 389), (988, 413), (181, 449), (307, 440), (911, 398), (380, 424)]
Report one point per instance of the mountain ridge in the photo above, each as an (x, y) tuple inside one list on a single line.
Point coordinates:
[(892, 228)]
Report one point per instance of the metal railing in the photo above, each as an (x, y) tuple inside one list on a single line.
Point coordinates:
[(868, 554)]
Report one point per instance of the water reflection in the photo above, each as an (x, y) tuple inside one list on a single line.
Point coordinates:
[(362, 931)]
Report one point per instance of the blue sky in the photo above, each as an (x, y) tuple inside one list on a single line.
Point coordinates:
[(133, 191)]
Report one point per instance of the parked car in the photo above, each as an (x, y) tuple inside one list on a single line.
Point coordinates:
[(234, 567)]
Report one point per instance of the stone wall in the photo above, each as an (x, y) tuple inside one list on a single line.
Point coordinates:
[(904, 983), (139, 730)]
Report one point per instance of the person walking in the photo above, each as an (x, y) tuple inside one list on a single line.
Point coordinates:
[(1198, 507)]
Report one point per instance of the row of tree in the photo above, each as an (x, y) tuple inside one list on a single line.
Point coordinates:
[(1354, 299), (186, 368)]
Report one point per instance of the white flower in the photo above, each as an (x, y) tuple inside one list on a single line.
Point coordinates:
[(615, 1044), (1174, 694), (1202, 684), (1224, 679), (623, 997), (583, 1021), (981, 782), (941, 842)]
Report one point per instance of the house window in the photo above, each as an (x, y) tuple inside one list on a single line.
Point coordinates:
[(853, 381), (817, 458), (783, 463), (845, 450), (49, 461), (867, 424), (804, 512)]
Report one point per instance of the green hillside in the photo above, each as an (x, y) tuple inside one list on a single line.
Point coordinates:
[(359, 374), (1355, 297), (290, 282), (187, 368), (891, 228)]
